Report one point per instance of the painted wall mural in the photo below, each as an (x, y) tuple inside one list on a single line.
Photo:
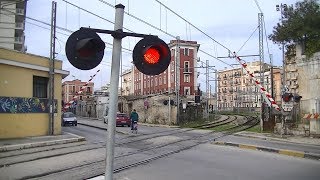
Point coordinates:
[(25, 105)]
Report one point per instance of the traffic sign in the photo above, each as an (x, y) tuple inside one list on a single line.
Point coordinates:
[(287, 106)]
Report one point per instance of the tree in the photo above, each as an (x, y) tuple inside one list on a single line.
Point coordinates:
[(299, 25)]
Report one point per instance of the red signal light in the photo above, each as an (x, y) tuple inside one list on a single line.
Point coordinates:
[(152, 56)]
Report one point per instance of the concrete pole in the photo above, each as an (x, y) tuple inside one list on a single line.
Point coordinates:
[(216, 91), (114, 82), (51, 68), (169, 111), (177, 77)]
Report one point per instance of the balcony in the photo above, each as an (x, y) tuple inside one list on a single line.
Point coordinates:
[(293, 70), (18, 40), (187, 71), (19, 26), (20, 11)]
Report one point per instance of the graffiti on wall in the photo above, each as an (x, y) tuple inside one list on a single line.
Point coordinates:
[(25, 105)]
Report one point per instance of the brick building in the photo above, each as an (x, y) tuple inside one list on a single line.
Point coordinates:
[(70, 88), (186, 59)]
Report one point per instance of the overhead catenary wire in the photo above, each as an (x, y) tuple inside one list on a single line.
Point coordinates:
[(159, 29), (248, 39)]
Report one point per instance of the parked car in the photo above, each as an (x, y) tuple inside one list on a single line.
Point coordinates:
[(122, 119), (69, 118)]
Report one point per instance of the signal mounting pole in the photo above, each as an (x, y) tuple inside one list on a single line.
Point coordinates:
[(114, 81)]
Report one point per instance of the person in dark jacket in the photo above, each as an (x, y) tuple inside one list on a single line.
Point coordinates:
[(133, 117)]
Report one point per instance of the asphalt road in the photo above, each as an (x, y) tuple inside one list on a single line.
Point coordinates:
[(207, 161), (210, 161)]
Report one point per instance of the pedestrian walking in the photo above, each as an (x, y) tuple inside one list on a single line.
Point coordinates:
[(134, 117)]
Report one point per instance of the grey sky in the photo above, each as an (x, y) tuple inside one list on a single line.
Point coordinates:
[(230, 22)]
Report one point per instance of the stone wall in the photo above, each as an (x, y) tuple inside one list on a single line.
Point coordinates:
[(151, 108)]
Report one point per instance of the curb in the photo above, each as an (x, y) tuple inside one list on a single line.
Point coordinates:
[(272, 139), (102, 128), (272, 150), (40, 144)]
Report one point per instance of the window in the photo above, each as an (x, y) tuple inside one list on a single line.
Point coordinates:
[(160, 81), (186, 90), (186, 78), (173, 52), (172, 66), (148, 83), (81, 98), (88, 89), (165, 80), (186, 66), (151, 82), (40, 87), (156, 82), (186, 51), (172, 78)]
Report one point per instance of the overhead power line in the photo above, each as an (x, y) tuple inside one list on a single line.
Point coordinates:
[(173, 36)]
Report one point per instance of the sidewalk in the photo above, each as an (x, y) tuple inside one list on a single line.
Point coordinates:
[(297, 146), (285, 138), (38, 141)]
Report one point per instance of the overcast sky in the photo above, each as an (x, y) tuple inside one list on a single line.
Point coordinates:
[(230, 22)]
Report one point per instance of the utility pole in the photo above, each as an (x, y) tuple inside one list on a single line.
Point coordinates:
[(177, 77), (207, 88), (261, 58), (51, 68)]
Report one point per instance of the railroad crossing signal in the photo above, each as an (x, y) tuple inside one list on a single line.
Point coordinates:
[(151, 56), (287, 103), (85, 50)]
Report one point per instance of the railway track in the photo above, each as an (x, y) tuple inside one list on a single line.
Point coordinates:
[(163, 150)]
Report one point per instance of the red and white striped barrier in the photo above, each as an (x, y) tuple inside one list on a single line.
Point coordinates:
[(311, 116), (268, 98), (67, 105)]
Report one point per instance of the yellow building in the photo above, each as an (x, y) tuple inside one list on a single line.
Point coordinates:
[(24, 94)]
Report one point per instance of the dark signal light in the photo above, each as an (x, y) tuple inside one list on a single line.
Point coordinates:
[(85, 49), (287, 97), (151, 55)]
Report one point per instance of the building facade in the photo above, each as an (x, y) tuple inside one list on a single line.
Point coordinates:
[(71, 88), (12, 24), (181, 71), (127, 83), (24, 95), (236, 90)]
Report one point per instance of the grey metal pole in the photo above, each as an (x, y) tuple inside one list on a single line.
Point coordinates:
[(169, 112), (177, 77), (114, 82), (216, 89), (207, 88), (51, 69)]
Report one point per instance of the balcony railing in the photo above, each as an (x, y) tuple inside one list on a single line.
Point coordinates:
[(18, 40), (20, 11), (19, 25)]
